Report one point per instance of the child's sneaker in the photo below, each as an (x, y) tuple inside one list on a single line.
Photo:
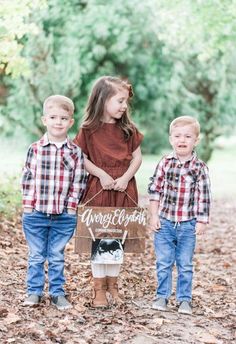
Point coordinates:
[(32, 300), (160, 304), (61, 302), (185, 308)]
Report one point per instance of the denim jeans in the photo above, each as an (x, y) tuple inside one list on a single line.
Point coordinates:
[(175, 242), (47, 236)]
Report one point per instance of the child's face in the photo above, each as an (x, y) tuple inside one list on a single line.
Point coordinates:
[(57, 121), (116, 106), (183, 139)]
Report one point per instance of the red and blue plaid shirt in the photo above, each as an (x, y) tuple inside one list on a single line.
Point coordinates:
[(183, 189), (53, 178)]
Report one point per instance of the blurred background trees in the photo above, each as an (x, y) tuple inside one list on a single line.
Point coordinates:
[(178, 55)]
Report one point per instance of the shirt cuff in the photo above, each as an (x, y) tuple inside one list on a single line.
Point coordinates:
[(28, 203), (203, 219), (72, 203), (154, 197)]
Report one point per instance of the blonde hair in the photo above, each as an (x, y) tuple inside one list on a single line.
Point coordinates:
[(185, 120), (62, 101)]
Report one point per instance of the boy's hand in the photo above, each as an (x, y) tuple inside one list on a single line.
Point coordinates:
[(71, 211), (27, 210), (154, 223), (200, 228)]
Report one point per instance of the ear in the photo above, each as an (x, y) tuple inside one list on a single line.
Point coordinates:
[(72, 121), (197, 141), (170, 139), (43, 119)]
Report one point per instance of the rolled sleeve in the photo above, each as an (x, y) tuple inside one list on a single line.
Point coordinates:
[(28, 180), (79, 183), (204, 196), (155, 188)]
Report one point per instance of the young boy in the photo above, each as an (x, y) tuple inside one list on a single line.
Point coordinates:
[(179, 209), (52, 184)]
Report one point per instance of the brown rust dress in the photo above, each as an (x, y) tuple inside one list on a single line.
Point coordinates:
[(107, 149)]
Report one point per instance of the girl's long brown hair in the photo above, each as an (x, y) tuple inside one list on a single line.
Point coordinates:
[(103, 89)]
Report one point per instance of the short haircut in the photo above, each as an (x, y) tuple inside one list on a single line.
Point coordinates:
[(185, 120), (61, 101)]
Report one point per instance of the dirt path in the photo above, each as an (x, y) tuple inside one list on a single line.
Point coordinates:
[(135, 322)]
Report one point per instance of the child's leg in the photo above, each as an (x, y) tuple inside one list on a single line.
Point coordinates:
[(186, 239), (61, 230), (112, 272), (99, 284), (98, 270), (35, 228), (165, 244)]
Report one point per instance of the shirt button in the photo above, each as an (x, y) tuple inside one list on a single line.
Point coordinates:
[(176, 178), (180, 166), (173, 203)]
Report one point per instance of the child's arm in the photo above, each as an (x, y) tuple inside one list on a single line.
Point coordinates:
[(107, 182), (155, 191), (154, 220), (78, 185), (204, 200), (122, 182), (28, 181)]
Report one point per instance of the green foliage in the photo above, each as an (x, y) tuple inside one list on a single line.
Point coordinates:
[(15, 24), (10, 199), (178, 55)]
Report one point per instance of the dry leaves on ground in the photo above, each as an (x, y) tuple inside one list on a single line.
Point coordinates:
[(134, 322)]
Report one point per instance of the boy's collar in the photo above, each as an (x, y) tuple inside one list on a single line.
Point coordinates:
[(173, 155), (44, 141)]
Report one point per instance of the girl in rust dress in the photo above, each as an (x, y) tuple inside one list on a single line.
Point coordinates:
[(111, 146)]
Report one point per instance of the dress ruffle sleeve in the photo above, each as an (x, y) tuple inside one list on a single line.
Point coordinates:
[(81, 140), (137, 138)]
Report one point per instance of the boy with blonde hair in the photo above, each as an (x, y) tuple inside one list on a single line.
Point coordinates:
[(179, 195), (53, 181)]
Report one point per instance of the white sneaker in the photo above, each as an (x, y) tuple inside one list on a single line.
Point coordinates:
[(61, 302), (32, 300), (185, 308), (160, 304)]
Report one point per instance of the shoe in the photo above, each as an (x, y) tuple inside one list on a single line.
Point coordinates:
[(99, 299), (185, 308), (61, 302), (112, 288), (32, 300), (160, 304)]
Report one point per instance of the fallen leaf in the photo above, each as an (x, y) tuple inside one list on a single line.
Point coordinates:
[(12, 318), (207, 338)]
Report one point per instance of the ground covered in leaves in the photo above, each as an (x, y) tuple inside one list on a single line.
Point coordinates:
[(134, 322)]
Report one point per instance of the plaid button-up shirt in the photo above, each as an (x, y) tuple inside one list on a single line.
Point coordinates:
[(53, 178), (183, 189)]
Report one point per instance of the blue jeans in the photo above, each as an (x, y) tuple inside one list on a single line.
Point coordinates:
[(175, 242), (47, 236)]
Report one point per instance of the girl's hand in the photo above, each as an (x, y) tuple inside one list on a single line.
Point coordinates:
[(154, 223), (121, 184), (107, 182)]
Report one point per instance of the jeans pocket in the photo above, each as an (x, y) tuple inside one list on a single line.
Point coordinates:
[(28, 214)]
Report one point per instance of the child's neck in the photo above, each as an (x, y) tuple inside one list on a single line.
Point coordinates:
[(183, 159), (56, 139)]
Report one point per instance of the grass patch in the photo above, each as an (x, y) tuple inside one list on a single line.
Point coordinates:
[(10, 197)]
